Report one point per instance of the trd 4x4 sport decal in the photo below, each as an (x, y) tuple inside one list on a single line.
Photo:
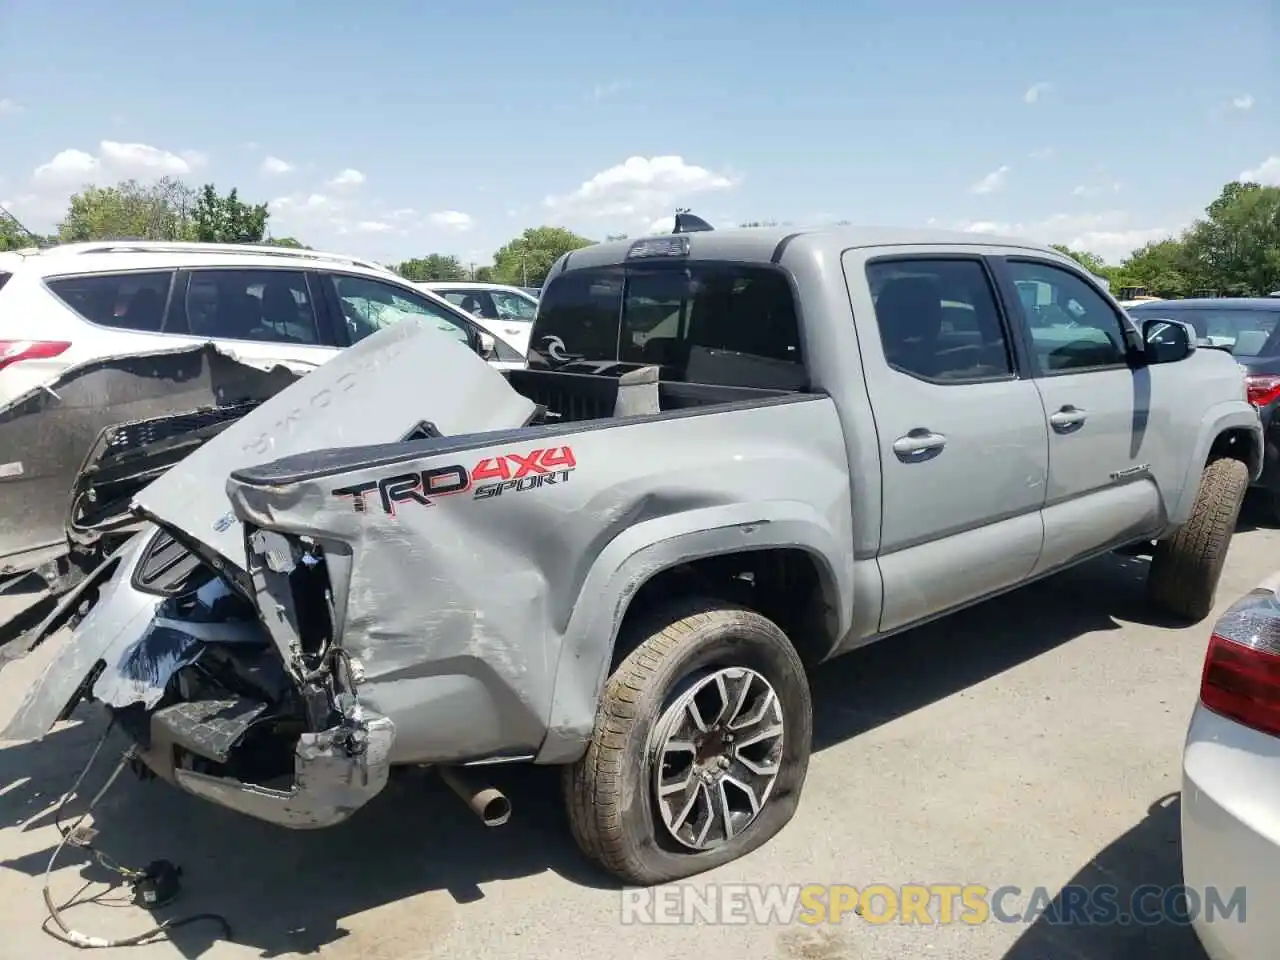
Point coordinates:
[(491, 477), (407, 488), (521, 471)]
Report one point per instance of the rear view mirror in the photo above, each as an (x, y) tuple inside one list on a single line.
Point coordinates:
[(1167, 341), (487, 346)]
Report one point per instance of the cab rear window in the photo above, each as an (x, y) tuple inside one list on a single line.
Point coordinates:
[(709, 322)]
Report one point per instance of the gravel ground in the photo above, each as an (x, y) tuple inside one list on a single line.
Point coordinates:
[(1034, 740)]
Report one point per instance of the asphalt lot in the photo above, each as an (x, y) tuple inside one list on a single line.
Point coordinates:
[(1034, 741)]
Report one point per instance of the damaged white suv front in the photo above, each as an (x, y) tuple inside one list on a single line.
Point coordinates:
[(213, 645)]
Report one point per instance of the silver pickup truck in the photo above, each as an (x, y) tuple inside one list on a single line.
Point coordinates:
[(733, 455)]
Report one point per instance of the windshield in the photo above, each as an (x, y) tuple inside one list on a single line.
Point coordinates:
[(703, 322), (513, 306), (1247, 333)]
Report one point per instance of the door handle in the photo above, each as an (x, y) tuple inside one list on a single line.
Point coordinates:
[(1068, 418), (919, 444)]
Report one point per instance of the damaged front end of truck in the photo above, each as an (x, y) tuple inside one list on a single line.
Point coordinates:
[(217, 646)]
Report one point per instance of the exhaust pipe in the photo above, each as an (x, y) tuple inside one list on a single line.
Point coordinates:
[(488, 803)]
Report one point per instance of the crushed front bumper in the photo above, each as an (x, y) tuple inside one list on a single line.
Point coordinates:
[(335, 772), (129, 654)]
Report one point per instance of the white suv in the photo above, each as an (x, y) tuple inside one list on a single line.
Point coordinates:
[(506, 312), (87, 301)]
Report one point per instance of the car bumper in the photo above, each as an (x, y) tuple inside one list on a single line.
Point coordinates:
[(123, 655), (335, 771), (1231, 832)]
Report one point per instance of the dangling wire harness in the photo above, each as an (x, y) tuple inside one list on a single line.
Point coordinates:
[(153, 887)]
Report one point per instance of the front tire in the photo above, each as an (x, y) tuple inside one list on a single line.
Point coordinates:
[(700, 747), (1186, 568)]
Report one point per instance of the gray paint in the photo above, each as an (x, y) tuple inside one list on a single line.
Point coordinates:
[(483, 628), (372, 392)]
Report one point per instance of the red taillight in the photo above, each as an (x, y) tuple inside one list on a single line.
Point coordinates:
[(1261, 390), (13, 351), (1241, 678)]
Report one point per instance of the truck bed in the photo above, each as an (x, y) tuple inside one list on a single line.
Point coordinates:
[(572, 397)]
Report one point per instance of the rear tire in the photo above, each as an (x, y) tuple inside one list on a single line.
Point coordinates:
[(1186, 568), (693, 658)]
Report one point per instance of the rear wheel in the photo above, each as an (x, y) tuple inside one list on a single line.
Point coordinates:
[(700, 748), (1186, 568)]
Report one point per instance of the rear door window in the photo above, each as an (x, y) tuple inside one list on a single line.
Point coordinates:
[(269, 306), (478, 303), (938, 319), (702, 322), (126, 301)]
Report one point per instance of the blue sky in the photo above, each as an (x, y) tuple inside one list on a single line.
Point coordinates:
[(394, 128)]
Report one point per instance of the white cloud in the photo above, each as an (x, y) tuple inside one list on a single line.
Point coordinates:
[(123, 160), (8, 106), (637, 190), (663, 225), (1266, 173), (1092, 190), (67, 164), (1035, 91), (992, 182), (274, 166), (1108, 233), (603, 91), (305, 204), (452, 220), (141, 159), (347, 178), (373, 226), (1244, 102), (1041, 153)]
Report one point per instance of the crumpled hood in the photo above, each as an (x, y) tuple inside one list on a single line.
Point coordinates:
[(376, 391)]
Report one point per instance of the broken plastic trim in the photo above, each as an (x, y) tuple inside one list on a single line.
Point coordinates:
[(169, 569), (125, 457)]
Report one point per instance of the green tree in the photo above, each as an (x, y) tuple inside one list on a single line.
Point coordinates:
[(435, 266), (526, 260), (14, 236), (130, 211), (1090, 261), (1235, 248), (290, 242), (483, 275), (1161, 266), (228, 219)]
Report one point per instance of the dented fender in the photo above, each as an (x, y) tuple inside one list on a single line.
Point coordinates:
[(646, 549)]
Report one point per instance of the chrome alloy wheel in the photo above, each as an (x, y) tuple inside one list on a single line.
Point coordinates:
[(716, 756)]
